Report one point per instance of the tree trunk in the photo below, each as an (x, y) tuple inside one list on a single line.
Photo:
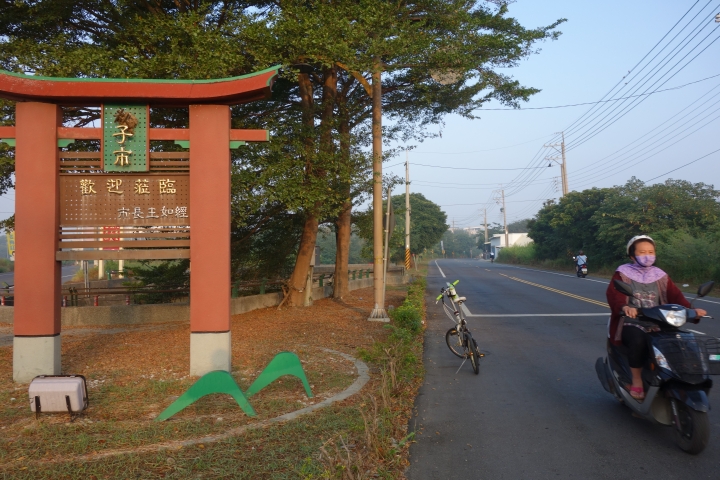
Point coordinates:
[(343, 224), (342, 255), (298, 279)]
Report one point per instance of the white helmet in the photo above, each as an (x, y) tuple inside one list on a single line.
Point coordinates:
[(637, 238)]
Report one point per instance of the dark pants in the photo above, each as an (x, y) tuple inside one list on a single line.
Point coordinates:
[(636, 342)]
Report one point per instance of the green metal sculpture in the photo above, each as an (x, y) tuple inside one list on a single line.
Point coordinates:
[(220, 381)]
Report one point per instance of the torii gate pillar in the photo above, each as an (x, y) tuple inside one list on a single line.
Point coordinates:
[(36, 346), (210, 240)]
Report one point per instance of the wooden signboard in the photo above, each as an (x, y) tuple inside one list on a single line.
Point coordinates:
[(148, 199)]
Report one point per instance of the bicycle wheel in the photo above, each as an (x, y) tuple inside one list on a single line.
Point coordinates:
[(473, 353), (454, 343)]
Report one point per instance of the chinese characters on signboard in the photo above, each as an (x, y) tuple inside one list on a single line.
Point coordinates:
[(130, 199), (125, 140)]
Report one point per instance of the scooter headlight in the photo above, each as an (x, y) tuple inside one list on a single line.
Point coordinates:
[(660, 359), (676, 318)]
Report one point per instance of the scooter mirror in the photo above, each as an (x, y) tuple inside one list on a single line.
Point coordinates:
[(705, 288), (623, 288)]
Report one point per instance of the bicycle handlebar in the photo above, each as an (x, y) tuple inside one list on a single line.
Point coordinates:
[(444, 290)]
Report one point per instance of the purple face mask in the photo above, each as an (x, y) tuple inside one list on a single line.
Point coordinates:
[(645, 260)]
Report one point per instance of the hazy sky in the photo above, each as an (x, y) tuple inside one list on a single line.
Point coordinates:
[(601, 42)]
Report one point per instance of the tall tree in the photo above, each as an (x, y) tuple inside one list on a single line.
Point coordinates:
[(601, 221), (427, 224), (305, 168)]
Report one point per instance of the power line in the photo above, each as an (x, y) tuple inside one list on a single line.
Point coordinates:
[(487, 150), (467, 168), (651, 156), (597, 165), (514, 201), (683, 166), (656, 147), (595, 129), (445, 185), (580, 120), (394, 165), (526, 178), (595, 103)]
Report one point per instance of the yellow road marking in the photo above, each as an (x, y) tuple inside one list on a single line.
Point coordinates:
[(578, 297)]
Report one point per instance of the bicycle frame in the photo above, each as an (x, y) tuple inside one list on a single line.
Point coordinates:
[(459, 339), (455, 313)]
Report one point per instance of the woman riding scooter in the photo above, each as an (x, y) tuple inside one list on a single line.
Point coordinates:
[(651, 287)]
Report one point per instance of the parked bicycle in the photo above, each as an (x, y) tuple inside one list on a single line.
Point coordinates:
[(459, 339)]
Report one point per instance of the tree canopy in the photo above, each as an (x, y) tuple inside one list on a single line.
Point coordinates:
[(437, 57), (427, 226), (459, 244), (601, 221)]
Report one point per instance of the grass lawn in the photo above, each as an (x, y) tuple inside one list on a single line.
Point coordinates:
[(135, 373)]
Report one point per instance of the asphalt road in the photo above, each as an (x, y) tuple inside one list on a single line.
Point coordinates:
[(537, 409)]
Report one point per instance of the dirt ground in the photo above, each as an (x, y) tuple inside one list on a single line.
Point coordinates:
[(134, 373)]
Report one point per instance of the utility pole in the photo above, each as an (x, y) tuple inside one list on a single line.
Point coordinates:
[(407, 212), (389, 227), (507, 242), (378, 314), (562, 162), (486, 232)]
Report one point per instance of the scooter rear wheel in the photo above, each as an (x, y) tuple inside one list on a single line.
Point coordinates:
[(695, 432)]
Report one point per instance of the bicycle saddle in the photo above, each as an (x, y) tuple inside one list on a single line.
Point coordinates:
[(460, 299)]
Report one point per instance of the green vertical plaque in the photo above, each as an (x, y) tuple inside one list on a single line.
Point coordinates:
[(125, 138)]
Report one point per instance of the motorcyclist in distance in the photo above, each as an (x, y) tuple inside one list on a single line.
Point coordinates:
[(580, 259), (651, 287)]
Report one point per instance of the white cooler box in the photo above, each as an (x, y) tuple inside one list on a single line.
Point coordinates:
[(58, 393)]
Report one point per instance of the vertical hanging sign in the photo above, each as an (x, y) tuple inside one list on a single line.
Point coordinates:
[(125, 138)]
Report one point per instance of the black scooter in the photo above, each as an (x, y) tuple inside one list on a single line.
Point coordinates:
[(582, 270), (676, 376)]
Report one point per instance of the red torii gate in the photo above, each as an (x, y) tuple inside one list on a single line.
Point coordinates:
[(38, 132)]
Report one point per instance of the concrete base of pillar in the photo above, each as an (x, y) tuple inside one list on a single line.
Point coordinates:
[(378, 315), (209, 352), (33, 356)]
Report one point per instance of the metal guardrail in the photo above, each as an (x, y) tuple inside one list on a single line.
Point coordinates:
[(81, 296)]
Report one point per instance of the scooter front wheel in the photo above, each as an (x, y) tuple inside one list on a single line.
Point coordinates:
[(694, 433)]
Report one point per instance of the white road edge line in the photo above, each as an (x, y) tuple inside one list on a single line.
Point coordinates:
[(542, 315), (709, 301), (441, 272), (695, 331), (468, 314)]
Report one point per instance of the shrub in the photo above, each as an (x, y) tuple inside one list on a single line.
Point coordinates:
[(407, 317), (524, 255), (6, 265), (171, 279), (689, 258)]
